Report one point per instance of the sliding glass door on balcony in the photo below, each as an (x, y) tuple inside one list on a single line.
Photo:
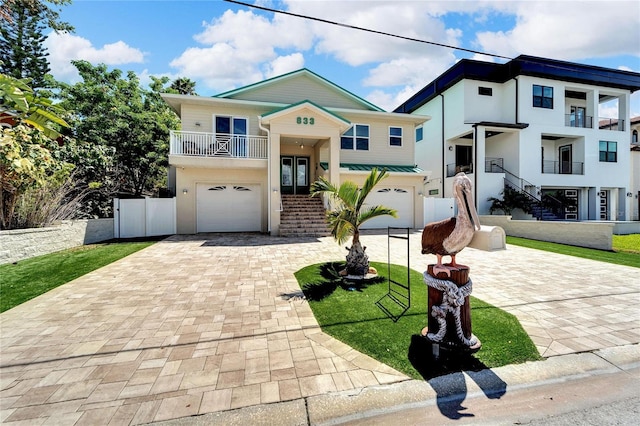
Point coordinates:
[(565, 154)]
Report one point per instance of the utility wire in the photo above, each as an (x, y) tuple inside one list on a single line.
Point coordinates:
[(326, 21), (353, 27)]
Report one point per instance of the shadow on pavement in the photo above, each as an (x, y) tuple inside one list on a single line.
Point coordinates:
[(445, 375)]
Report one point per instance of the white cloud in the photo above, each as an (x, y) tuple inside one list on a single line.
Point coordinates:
[(568, 30), (63, 48), (245, 46), (242, 47), (284, 64)]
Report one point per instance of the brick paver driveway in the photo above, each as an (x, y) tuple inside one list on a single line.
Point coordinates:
[(197, 324)]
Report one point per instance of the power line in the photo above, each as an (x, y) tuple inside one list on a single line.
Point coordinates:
[(326, 21), (353, 27)]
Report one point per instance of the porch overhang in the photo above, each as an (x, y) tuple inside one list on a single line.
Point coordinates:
[(342, 123), (366, 168)]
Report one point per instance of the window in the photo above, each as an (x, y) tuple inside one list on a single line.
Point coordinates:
[(634, 137), (357, 137), (395, 136), (231, 125), (577, 117), (485, 91), (608, 151), (231, 135), (542, 96), (419, 134)]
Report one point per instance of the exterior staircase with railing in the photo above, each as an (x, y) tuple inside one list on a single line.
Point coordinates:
[(303, 216), (548, 208)]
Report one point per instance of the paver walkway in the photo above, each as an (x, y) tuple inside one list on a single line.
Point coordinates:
[(198, 324)]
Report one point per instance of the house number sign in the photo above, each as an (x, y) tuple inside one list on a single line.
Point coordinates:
[(305, 120)]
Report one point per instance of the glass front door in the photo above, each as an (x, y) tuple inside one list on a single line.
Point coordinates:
[(565, 159), (294, 175)]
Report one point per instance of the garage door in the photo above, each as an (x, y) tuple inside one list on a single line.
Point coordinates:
[(228, 208), (400, 199)]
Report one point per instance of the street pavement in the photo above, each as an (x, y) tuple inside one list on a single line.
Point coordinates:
[(212, 328)]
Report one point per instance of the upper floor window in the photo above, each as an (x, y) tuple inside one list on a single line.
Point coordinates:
[(357, 137), (231, 125), (485, 91), (608, 151), (395, 136), (419, 134), (542, 96), (634, 137)]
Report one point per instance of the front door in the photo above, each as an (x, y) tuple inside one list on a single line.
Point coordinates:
[(294, 175), (565, 159)]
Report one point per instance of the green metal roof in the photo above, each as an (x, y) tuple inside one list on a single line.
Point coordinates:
[(368, 167)]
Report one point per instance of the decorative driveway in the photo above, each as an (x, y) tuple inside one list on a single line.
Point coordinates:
[(211, 322)]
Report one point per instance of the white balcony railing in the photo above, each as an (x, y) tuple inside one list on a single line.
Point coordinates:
[(200, 144)]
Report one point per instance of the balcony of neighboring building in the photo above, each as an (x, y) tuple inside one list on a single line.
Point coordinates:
[(582, 110), (562, 155)]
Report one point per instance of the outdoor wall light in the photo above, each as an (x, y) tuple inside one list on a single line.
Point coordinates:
[(629, 194), (197, 124), (450, 148), (184, 191), (275, 190)]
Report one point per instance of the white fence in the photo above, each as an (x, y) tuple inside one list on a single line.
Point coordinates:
[(436, 209), (144, 217)]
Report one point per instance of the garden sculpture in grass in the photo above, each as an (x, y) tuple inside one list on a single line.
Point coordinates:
[(449, 285)]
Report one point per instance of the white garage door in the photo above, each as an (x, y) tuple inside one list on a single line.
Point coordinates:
[(228, 208), (400, 199)]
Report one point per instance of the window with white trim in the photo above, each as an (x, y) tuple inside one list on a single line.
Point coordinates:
[(395, 136), (356, 138)]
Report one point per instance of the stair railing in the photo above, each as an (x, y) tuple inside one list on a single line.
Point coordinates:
[(522, 186)]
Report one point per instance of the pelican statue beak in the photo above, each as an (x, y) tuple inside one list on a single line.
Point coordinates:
[(467, 199)]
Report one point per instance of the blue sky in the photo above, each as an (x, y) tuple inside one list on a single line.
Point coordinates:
[(221, 45)]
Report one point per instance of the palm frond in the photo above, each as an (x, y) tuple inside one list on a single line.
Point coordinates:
[(376, 211)]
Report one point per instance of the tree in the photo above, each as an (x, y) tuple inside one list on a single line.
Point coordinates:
[(22, 52), (21, 104), (348, 213), (115, 111), (26, 160), (184, 86)]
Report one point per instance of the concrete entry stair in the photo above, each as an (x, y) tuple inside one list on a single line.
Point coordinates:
[(302, 216)]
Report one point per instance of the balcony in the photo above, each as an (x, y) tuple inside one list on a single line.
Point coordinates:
[(562, 167), (583, 121), (217, 145), (494, 165), (611, 124), (453, 169)]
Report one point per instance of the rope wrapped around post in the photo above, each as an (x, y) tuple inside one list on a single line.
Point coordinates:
[(453, 298)]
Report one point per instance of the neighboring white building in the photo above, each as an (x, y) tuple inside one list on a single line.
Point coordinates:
[(239, 151), (532, 124), (635, 169)]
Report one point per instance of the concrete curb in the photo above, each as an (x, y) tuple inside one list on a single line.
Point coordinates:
[(339, 407)]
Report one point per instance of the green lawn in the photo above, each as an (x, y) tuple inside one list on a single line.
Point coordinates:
[(353, 317), (29, 278), (627, 249)]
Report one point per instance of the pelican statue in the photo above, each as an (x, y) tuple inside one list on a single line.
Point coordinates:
[(449, 236)]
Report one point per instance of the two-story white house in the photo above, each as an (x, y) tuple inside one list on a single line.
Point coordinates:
[(531, 124), (240, 153)]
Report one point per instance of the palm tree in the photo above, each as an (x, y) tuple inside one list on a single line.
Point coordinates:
[(348, 212), (184, 86)]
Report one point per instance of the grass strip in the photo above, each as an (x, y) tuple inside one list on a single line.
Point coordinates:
[(619, 258), (349, 313), (24, 280)]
